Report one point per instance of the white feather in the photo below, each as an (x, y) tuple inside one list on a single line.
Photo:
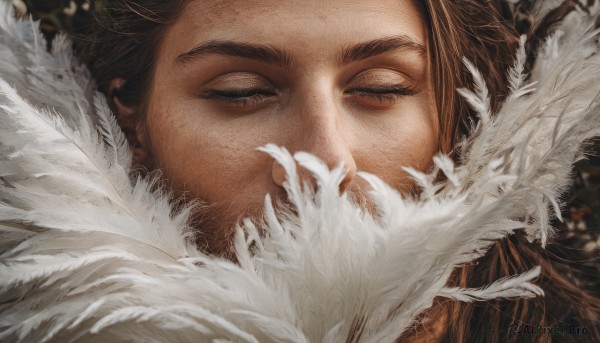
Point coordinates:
[(515, 286), (89, 255)]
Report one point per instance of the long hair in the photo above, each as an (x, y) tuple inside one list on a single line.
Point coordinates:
[(121, 43), (486, 33)]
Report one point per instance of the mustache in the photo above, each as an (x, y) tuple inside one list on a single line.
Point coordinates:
[(215, 224)]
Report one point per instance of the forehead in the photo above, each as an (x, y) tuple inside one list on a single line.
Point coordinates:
[(236, 8), (319, 25)]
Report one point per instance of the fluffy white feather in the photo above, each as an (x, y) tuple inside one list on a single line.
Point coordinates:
[(89, 255)]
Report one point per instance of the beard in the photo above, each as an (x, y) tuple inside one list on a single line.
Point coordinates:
[(215, 224)]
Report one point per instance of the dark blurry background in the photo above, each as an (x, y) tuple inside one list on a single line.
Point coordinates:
[(577, 242)]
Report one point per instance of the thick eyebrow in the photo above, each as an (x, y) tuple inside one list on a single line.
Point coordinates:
[(273, 55), (376, 47), (263, 53)]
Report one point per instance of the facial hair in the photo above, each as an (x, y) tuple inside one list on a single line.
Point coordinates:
[(215, 224)]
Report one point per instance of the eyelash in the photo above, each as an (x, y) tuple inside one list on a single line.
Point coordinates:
[(240, 97), (387, 93), (244, 97)]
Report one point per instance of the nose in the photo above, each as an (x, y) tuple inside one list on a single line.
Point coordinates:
[(319, 129)]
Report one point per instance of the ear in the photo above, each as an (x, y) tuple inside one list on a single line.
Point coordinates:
[(131, 122)]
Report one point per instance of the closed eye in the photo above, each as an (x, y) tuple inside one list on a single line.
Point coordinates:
[(241, 96), (384, 93), (398, 89)]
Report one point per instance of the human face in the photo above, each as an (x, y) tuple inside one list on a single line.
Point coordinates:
[(348, 81)]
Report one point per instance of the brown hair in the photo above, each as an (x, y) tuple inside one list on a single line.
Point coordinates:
[(121, 40), (470, 29), (484, 32), (122, 43)]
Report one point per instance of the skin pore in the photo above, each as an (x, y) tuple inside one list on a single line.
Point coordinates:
[(346, 81)]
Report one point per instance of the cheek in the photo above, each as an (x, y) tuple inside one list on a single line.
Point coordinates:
[(216, 160), (408, 138)]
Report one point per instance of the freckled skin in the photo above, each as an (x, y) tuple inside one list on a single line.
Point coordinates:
[(207, 147)]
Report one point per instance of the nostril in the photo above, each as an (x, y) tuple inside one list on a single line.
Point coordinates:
[(348, 178), (345, 182), (306, 178)]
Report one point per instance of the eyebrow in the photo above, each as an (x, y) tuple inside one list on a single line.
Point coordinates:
[(380, 46), (258, 52), (273, 55)]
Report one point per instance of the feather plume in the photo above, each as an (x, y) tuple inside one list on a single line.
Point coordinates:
[(515, 286), (89, 255)]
